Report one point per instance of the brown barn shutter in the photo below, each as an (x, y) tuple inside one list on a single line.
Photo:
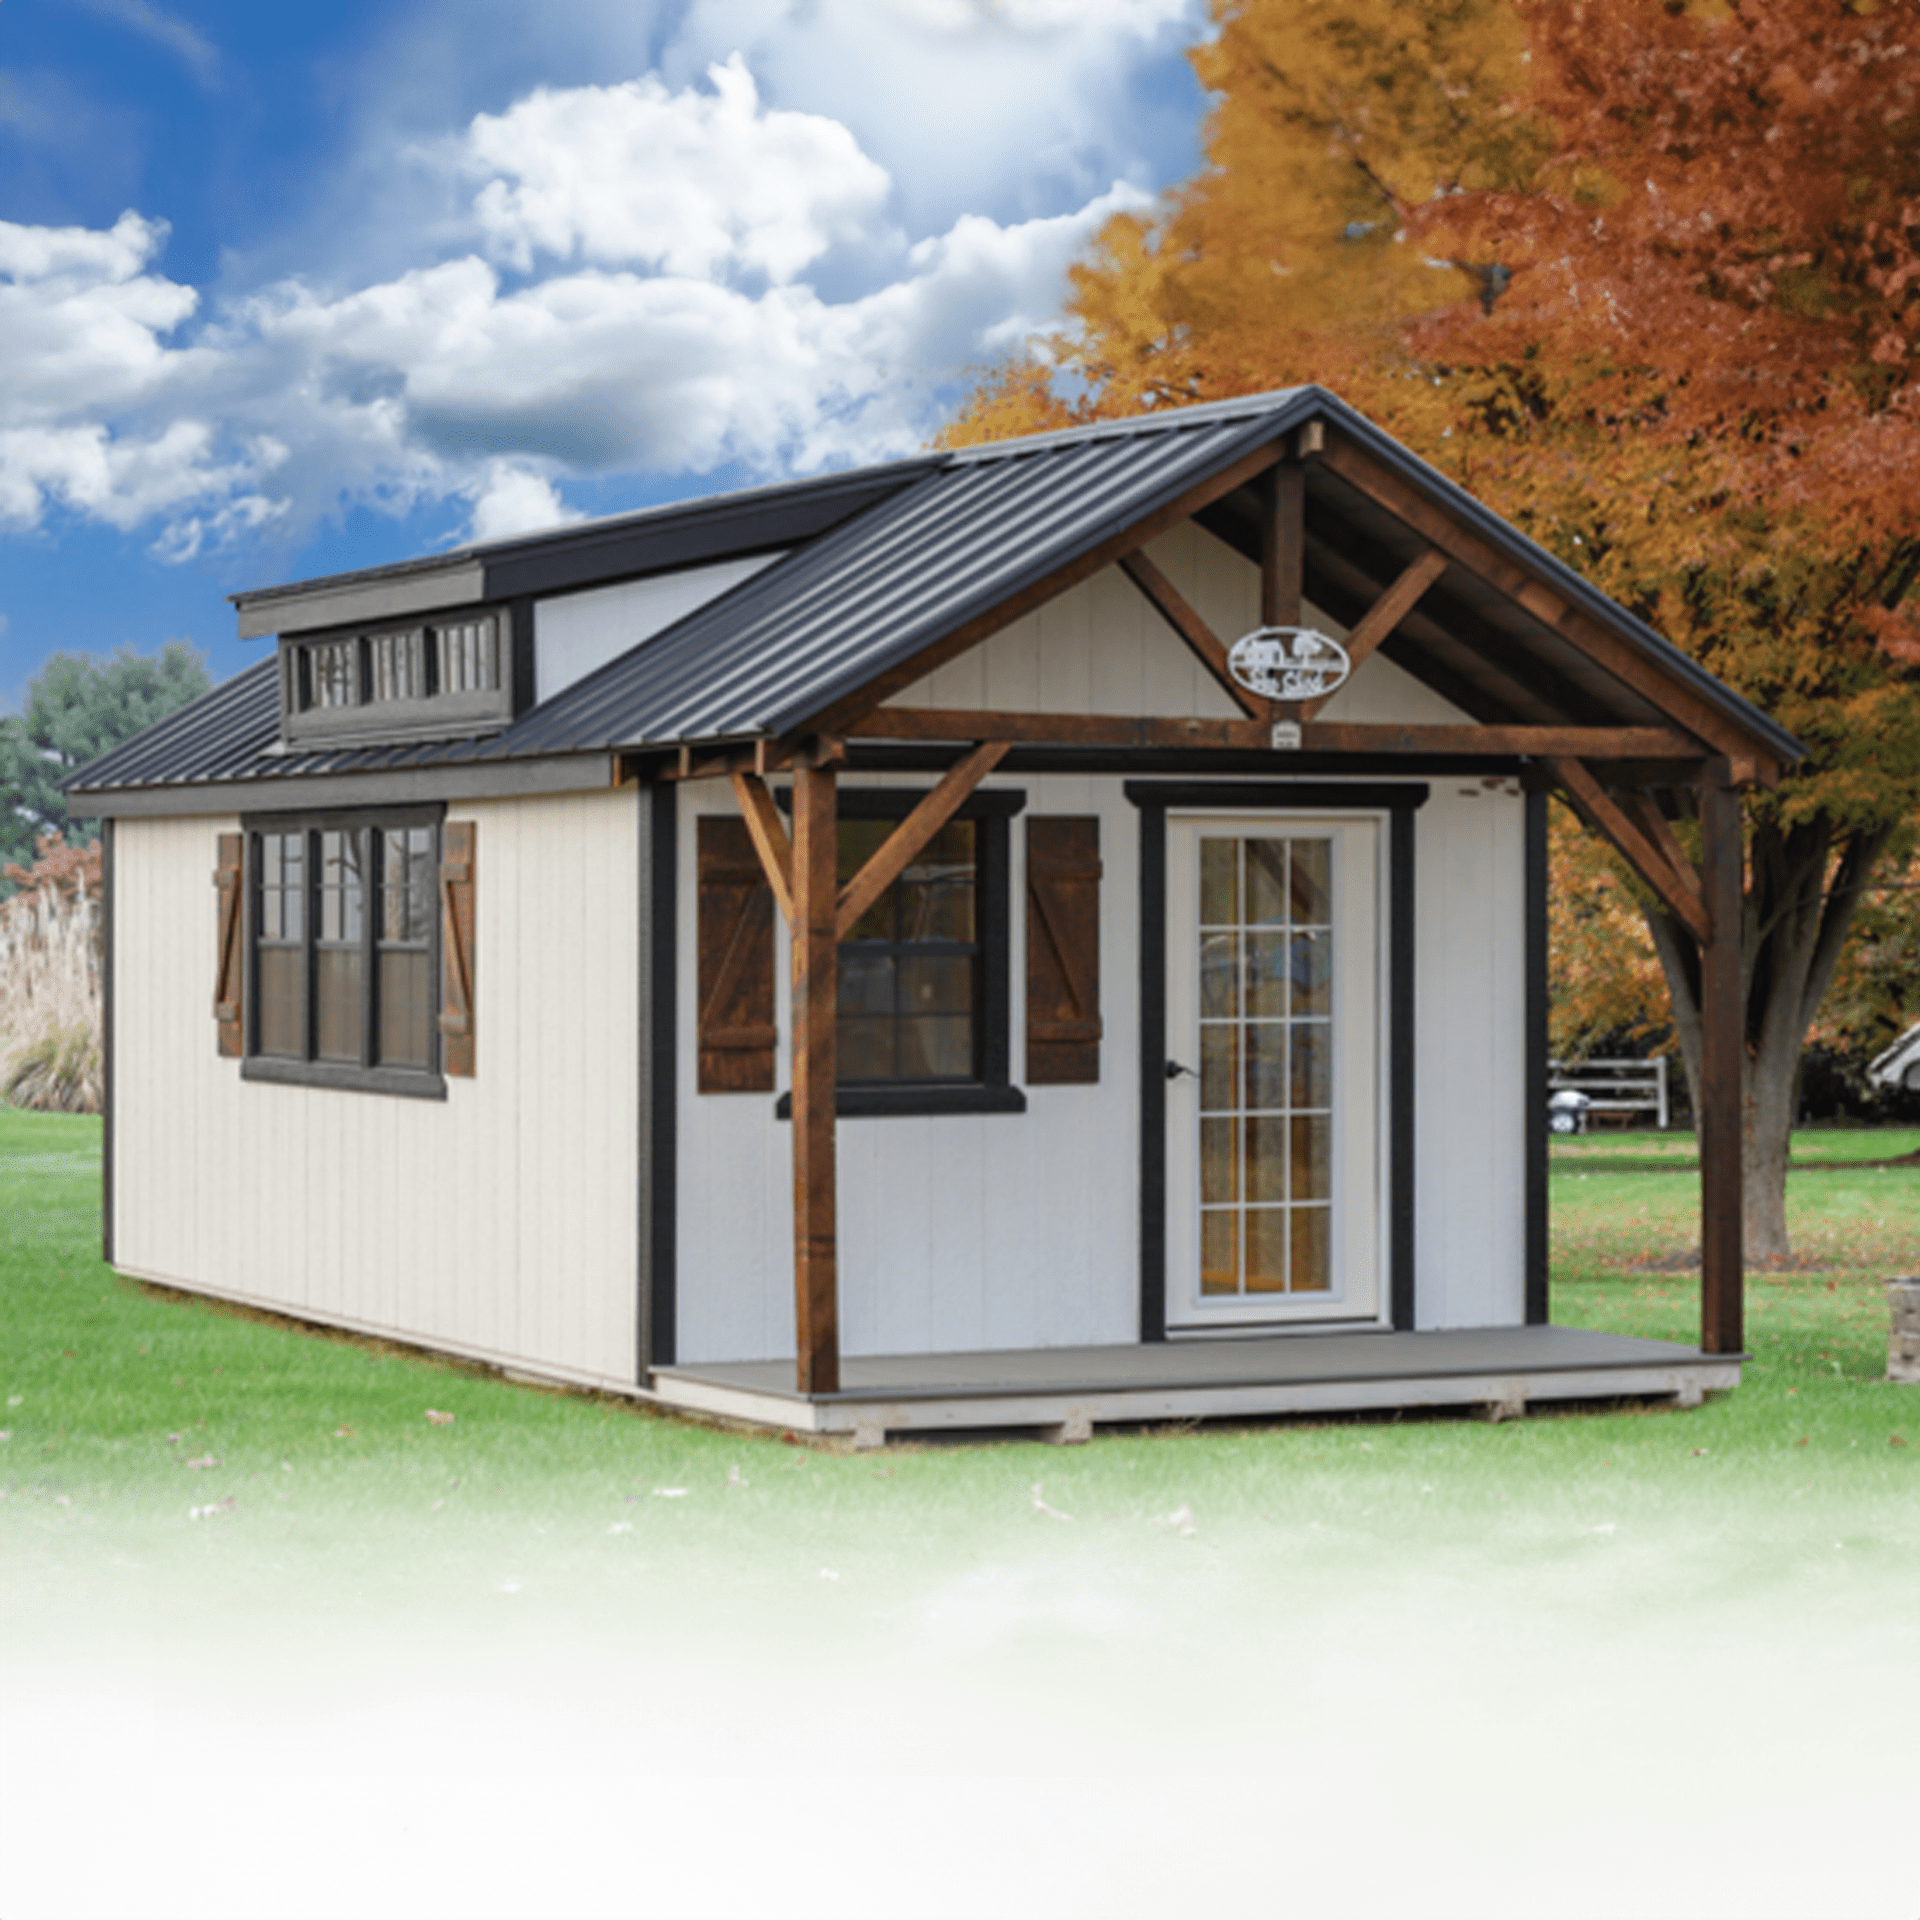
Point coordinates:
[(1063, 950), (456, 947), (230, 967), (737, 1031)]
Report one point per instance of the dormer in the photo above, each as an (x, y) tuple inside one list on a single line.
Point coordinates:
[(446, 676)]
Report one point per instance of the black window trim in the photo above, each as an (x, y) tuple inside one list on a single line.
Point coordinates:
[(993, 1091), (416, 1083)]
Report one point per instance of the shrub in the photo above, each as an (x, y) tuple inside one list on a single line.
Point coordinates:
[(50, 962)]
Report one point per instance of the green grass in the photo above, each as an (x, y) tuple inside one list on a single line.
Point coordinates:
[(114, 1389), (1628, 1635)]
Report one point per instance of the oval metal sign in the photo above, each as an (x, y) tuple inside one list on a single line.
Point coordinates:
[(1288, 663)]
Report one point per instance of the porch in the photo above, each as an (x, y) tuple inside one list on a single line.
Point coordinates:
[(1065, 1392)]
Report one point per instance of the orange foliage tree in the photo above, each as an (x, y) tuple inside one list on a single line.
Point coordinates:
[(1646, 279)]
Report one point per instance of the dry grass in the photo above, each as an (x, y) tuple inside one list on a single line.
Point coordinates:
[(50, 1033)]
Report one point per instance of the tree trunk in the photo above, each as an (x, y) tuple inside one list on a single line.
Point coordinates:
[(1804, 884)]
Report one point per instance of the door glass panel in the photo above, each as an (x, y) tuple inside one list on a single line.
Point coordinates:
[(1265, 1005)]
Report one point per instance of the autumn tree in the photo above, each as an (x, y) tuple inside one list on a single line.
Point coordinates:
[(1646, 279)]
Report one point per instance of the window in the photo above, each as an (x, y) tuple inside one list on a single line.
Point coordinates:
[(344, 923), (923, 1001), (425, 680)]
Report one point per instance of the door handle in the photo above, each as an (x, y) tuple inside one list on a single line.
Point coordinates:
[(1175, 1070)]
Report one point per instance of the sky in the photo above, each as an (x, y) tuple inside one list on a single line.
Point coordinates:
[(288, 290)]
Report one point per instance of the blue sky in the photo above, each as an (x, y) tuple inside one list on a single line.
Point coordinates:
[(287, 290)]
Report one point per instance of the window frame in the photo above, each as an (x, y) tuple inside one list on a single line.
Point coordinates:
[(432, 714), (366, 1075), (991, 1088)]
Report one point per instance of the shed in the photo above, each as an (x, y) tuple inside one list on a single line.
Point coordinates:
[(1040, 934)]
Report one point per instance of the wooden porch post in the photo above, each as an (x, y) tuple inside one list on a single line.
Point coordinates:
[(815, 1028), (1722, 1061)]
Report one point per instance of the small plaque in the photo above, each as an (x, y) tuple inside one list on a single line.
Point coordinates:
[(1288, 663), (1286, 736)]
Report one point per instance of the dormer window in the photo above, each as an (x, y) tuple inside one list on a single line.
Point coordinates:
[(424, 681)]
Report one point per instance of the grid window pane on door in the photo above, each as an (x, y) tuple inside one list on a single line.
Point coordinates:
[(1266, 1065), (280, 916), (339, 947), (404, 947), (909, 969)]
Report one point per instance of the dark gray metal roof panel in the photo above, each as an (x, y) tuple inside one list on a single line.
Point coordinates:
[(887, 561), (966, 537)]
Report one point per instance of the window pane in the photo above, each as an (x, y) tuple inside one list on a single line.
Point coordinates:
[(1267, 1250), (466, 657), (935, 1049), (936, 890), (1266, 882), (340, 887), (1266, 1066), (405, 1015), (337, 981), (396, 666), (282, 1003), (1219, 1255), (910, 970), (406, 906), (1219, 883), (866, 1049), (333, 675), (1312, 883)]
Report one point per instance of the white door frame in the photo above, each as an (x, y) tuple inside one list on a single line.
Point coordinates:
[(1360, 1290)]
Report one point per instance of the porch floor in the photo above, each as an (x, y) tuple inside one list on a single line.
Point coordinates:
[(1066, 1391)]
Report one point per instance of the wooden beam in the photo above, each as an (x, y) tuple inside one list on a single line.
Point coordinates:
[(816, 1282), (1322, 736), (1645, 814), (1283, 546), (769, 835), (1627, 665), (1180, 615), (1384, 615), (906, 841), (1603, 814), (1587, 743), (1722, 1064), (844, 713)]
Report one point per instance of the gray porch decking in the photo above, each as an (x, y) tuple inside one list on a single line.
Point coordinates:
[(1069, 1390)]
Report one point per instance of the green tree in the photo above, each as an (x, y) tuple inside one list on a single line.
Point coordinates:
[(77, 708)]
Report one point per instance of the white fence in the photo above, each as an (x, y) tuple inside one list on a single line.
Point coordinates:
[(1615, 1086)]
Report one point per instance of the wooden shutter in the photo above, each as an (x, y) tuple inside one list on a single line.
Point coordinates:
[(456, 947), (737, 1031), (230, 966), (1063, 950)]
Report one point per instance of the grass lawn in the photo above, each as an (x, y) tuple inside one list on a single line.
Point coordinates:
[(509, 1657)]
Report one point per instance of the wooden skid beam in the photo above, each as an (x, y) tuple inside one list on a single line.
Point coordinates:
[(843, 715), (1672, 696), (907, 840), (769, 834), (1385, 615), (1722, 1067), (816, 1283), (1180, 615), (1602, 813)]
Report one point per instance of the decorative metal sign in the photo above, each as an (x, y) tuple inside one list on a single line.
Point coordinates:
[(1288, 663)]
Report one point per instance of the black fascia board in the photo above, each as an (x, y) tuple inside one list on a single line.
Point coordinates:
[(735, 525)]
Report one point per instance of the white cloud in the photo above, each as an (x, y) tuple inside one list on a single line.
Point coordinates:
[(645, 330), (692, 183), (510, 499)]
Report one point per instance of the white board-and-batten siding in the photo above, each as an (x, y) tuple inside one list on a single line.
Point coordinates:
[(1002, 1231), (500, 1223)]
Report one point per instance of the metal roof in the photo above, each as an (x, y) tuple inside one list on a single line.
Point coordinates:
[(889, 561)]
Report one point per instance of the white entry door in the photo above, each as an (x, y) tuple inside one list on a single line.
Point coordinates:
[(1275, 1051)]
